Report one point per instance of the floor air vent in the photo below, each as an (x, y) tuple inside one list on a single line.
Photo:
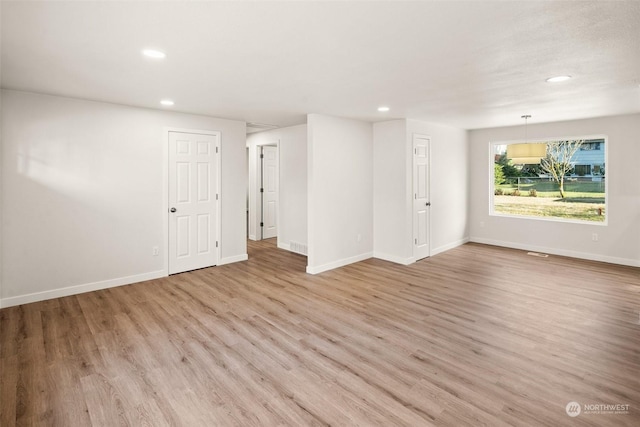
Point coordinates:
[(538, 254), (298, 248)]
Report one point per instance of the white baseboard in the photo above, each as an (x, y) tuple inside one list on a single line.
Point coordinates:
[(285, 246), (253, 237), (449, 246), (560, 252), (338, 263), (394, 258), (79, 289), (231, 259)]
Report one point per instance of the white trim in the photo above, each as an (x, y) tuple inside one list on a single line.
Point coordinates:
[(220, 197), (165, 199), (79, 289), (232, 259), (560, 252), (165, 192), (413, 190), (258, 196), (338, 263), (252, 237), (492, 211), (449, 246), (551, 218), (394, 258)]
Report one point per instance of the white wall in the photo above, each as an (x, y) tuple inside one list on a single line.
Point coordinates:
[(292, 205), (449, 184), (340, 191), (393, 188), (618, 241), (83, 193), (1, 183)]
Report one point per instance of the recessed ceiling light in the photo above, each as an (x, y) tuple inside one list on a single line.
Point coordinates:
[(155, 54), (167, 102), (383, 109), (558, 79)]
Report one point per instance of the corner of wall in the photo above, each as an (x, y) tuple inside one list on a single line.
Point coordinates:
[(1, 200), (340, 191)]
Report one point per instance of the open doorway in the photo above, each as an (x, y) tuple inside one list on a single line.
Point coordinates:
[(263, 201), (277, 193)]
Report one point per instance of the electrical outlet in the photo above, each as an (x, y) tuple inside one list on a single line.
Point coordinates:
[(594, 237), (156, 251)]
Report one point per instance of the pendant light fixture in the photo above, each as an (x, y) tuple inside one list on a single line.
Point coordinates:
[(526, 153)]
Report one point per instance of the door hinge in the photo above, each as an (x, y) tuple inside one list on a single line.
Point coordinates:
[(216, 149), (262, 156), (216, 197), (216, 243), (262, 224), (262, 190), (415, 240)]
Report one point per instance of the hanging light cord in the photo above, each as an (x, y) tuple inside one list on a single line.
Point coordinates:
[(526, 117)]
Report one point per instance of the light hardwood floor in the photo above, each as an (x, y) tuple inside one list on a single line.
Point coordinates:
[(475, 336)]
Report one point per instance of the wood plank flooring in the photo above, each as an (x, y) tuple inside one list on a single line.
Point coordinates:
[(478, 335)]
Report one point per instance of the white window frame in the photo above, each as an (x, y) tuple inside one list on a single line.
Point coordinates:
[(608, 170)]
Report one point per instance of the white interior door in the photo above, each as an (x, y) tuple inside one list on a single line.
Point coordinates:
[(193, 189), (270, 191), (421, 203)]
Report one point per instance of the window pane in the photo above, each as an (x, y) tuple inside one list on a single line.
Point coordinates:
[(555, 179)]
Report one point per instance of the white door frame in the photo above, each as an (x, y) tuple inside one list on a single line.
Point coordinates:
[(413, 165), (261, 193), (165, 191), (255, 199)]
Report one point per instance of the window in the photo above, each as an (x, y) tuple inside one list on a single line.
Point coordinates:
[(557, 179), (582, 170), (590, 145)]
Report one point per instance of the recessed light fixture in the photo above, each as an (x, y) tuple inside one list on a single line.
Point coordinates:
[(383, 109), (558, 79), (167, 102), (155, 54)]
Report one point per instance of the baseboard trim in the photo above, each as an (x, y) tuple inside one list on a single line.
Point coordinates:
[(339, 263), (560, 252), (394, 258), (79, 289), (232, 259), (449, 246)]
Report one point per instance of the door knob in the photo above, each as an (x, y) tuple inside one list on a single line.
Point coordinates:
[(172, 210), (428, 203)]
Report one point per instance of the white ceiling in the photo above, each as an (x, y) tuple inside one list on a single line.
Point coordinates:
[(468, 64)]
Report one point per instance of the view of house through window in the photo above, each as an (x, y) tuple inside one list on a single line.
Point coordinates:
[(556, 179)]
